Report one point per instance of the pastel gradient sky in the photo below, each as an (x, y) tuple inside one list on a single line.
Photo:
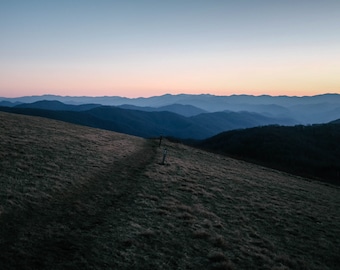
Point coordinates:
[(146, 48)]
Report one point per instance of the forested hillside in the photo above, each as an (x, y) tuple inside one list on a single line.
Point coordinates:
[(312, 151)]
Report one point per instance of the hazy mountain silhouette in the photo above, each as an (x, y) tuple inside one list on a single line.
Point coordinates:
[(9, 104), (316, 113), (305, 110), (55, 105), (312, 151), (144, 123), (185, 110), (222, 121), (138, 123), (204, 101), (272, 110)]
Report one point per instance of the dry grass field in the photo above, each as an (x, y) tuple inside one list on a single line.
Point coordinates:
[(73, 197)]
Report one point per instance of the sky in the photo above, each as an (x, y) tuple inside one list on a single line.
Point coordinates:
[(146, 48)]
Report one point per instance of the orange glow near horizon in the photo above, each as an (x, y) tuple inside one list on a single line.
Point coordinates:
[(140, 92), (253, 81), (274, 73), (148, 49)]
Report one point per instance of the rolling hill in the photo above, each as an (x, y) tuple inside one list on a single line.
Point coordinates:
[(312, 151), (74, 197), (335, 121)]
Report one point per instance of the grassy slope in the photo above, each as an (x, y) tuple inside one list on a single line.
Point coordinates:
[(72, 197)]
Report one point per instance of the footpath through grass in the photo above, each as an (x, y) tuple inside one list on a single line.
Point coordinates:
[(205, 211), (59, 184), (81, 198)]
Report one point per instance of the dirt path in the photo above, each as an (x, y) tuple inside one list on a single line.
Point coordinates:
[(62, 232)]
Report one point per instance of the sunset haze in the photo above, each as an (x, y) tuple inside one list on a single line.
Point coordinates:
[(147, 48)]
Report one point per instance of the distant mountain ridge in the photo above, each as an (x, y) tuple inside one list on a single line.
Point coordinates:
[(55, 105), (185, 110), (148, 123), (305, 110), (186, 99)]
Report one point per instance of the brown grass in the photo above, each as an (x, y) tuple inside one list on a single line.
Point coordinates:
[(78, 198)]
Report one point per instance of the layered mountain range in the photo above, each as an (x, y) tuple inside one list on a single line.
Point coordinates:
[(181, 116)]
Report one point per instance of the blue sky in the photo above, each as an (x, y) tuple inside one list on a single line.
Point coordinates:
[(144, 48)]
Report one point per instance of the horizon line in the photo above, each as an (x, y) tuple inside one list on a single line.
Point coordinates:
[(168, 94)]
